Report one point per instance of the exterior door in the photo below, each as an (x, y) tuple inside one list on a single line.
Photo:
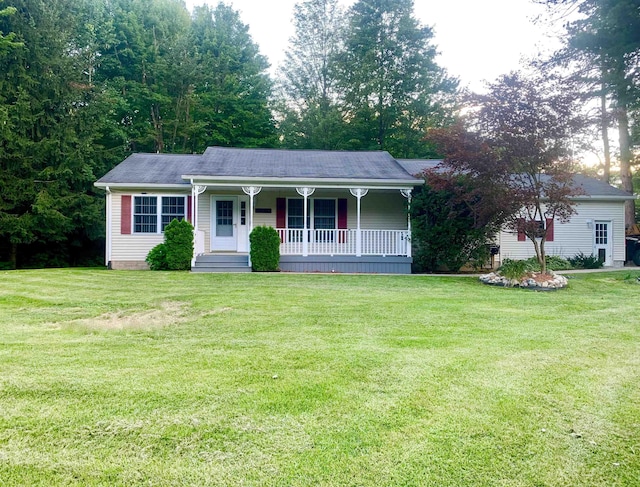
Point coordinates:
[(602, 247), (224, 227)]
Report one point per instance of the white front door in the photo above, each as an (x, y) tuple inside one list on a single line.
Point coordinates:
[(224, 225), (602, 247)]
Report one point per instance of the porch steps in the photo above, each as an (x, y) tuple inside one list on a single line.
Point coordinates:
[(222, 263)]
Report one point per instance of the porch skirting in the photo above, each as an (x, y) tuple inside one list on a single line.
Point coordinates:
[(349, 264)]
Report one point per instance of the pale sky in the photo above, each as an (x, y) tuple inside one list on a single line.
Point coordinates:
[(477, 39)]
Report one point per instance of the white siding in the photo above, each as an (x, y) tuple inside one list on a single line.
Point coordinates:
[(136, 246), (575, 236), (380, 210)]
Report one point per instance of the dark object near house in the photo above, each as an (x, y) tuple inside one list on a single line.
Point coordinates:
[(633, 249), (633, 244)]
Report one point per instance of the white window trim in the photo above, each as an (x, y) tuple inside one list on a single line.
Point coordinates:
[(158, 198), (311, 208)]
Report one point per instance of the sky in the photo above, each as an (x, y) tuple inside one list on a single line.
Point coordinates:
[(478, 40)]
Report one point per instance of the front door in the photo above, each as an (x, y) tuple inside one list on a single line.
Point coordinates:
[(224, 227), (602, 242)]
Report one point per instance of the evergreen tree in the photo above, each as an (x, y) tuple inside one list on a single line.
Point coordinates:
[(232, 88), (312, 118), (393, 88)]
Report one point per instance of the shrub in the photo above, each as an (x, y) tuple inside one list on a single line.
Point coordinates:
[(265, 249), (178, 238), (177, 250), (157, 258), (554, 263), (583, 261), (446, 230), (515, 269)]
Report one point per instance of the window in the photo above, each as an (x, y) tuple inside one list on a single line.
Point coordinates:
[(324, 214), (294, 214), (321, 213), (145, 214), (151, 213), (172, 208)]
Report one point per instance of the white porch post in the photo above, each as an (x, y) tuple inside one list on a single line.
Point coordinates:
[(407, 194), (358, 193), (305, 193), (196, 191), (252, 191)]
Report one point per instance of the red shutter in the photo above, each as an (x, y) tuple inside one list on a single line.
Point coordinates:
[(281, 215), (190, 209), (549, 229), (521, 236), (342, 218), (125, 215)]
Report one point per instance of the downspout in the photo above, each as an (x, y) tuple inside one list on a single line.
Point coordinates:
[(109, 219)]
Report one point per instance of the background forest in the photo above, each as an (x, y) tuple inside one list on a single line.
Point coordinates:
[(84, 83)]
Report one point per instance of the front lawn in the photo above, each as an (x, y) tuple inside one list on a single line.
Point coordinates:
[(173, 379)]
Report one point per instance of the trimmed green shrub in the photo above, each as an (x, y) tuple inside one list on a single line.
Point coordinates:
[(554, 263), (157, 258), (515, 269), (178, 238), (265, 249), (176, 252), (583, 261)]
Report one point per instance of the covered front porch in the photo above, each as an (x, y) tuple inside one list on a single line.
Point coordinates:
[(346, 229)]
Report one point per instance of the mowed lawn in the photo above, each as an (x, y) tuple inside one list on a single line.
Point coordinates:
[(173, 379)]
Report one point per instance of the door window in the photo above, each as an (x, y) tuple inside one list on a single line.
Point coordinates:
[(224, 218)]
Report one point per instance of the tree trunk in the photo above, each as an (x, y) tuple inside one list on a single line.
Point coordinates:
[(604, 127), (13, 256), (625, 161)]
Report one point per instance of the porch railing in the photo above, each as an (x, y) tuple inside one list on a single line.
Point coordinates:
[(344, 242)]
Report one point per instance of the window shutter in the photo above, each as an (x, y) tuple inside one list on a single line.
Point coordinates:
[(190, 209), (281, 213), (521, 236), (281, 216), (125, 215), (549, 229), (342, 218), (342, 213)]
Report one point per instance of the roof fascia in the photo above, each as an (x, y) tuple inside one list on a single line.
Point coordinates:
[(229, 181), (153, 186), (604, 198)]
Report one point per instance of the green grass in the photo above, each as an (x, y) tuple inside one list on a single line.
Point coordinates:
[(172, 379)]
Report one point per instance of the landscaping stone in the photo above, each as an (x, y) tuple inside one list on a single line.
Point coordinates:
[(532, 280)]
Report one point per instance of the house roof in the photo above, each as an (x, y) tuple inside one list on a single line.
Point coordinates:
[(237, 166), (151, 169), (596, 188), (223, 164), (417, 166), (592, 187)]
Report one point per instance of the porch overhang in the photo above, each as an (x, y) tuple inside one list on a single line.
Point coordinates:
[(319, 183)]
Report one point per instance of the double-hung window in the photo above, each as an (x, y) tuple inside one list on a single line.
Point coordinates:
[(321, 216), (151, 214)]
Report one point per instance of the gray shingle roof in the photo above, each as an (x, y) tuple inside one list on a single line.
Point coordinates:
[(595, 187), (257, 163), (313, 164), (168, 169), (151, 169), (417, 166)]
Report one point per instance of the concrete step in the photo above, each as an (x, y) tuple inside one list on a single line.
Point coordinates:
[(222, 263), (223, 258), (221, 269)]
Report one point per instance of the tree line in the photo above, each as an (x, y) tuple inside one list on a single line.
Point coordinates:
[(86, 82)]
